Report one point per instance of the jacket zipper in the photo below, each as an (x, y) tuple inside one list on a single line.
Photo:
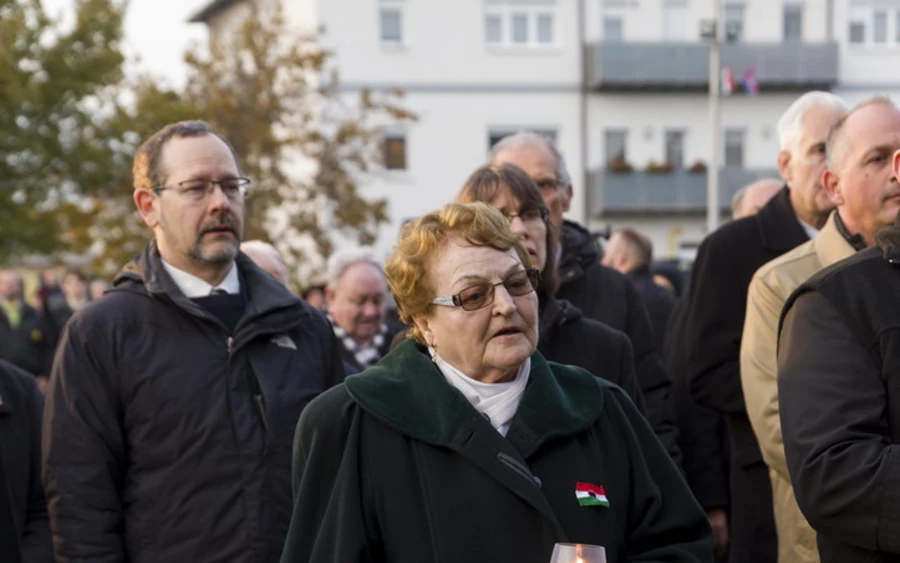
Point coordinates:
[(259, 404)]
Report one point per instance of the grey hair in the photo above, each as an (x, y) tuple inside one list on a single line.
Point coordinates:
[(837, 139), (790, 126), (339, 261), (530, 138)]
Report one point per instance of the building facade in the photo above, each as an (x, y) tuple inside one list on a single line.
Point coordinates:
[(620, 85)]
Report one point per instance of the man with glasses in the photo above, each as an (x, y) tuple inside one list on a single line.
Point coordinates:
[(173, 400), (600, 293)]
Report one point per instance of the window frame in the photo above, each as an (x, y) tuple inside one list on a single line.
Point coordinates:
[(793, 9), (386, 162)]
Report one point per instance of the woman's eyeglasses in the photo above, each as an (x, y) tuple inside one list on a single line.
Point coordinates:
[(481, 295)]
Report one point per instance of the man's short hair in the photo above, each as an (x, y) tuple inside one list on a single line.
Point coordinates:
[(146, 171), (343, 259), (637, 245), (790, 126), (75, 273), (530, 138), (836, 144)]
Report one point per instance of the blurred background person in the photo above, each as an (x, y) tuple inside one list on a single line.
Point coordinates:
[(97, 288), (73, 296), (752, 197), (267, 258), (631, 253), (356, 301), (466, 425), (314, 293), (24, 525), (25, 340), (565, 336)]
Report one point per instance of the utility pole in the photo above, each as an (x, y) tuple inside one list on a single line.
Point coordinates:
[(713, 35)]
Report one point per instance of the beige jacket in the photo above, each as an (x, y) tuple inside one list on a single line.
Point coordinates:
[(772, 284)]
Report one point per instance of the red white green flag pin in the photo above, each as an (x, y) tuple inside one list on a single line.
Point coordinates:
[(590, 495)]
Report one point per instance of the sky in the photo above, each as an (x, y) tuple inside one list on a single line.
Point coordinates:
[(156, 33)]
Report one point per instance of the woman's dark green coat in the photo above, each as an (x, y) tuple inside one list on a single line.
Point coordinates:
[(396, 466)]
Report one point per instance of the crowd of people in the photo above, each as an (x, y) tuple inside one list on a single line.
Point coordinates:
[(500, 384)]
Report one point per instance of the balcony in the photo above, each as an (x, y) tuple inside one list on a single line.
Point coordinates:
[(679, 191), (661, 66)]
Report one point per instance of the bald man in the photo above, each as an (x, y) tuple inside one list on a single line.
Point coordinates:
[(751, 198), (267, 258)]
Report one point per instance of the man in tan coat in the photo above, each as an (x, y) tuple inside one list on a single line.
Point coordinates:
[(860, 180)]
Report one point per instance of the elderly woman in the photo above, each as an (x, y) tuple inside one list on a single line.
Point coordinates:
[(566, 336), (464, 444)]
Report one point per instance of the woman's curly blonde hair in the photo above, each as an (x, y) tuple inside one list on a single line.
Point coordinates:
[(407, 268)]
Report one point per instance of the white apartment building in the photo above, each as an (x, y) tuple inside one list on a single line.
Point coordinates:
[(612, 81)]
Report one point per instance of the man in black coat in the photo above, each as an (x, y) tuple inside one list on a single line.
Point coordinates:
[(599, 292), (838, 381), (725, 264), (24, 527), (173, 400), (631, 253)]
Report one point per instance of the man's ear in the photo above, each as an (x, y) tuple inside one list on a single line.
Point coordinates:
[(832, 185), (784, 166), (329, 295), (567, 198), (147, 204), (896, 165)]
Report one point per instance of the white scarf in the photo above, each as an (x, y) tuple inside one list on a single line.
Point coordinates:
[(496, 401)]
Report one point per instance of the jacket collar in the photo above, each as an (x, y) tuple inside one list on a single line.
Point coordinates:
[(831, 245), (263, 295), (889, 241), (779, 229), (406, 392)]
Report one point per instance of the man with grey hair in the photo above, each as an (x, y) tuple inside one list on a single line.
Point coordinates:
[(356, 302), (599, 292), (717, 299), (267, 258), (861, 182), (751, 198)]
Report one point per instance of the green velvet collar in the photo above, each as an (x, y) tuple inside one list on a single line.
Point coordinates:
[(407, 392)]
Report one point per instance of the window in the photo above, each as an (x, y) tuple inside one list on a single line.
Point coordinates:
[(393, 149), (544, 29), (520, 23), (391, 21), (520, 28), (493, 29), (879, 26), (793, 22), (675, 148), (495, 135), (612, 28), (734, 147), (615, 142), (734, 22)]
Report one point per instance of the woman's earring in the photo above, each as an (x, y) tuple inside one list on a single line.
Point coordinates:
[(434, 354)]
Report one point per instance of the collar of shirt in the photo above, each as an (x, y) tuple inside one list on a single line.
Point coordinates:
[(811, 231), (193, 287)]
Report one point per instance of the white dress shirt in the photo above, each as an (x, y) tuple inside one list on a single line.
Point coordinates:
[(192, 286)]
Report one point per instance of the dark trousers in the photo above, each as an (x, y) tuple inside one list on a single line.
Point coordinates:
[(753, 536)]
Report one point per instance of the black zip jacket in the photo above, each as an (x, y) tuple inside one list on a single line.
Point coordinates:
[(567, 337), (605, 295), (168, 439)]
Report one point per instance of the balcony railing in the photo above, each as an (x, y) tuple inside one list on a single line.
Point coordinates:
[(670, 66), (679, 191)]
